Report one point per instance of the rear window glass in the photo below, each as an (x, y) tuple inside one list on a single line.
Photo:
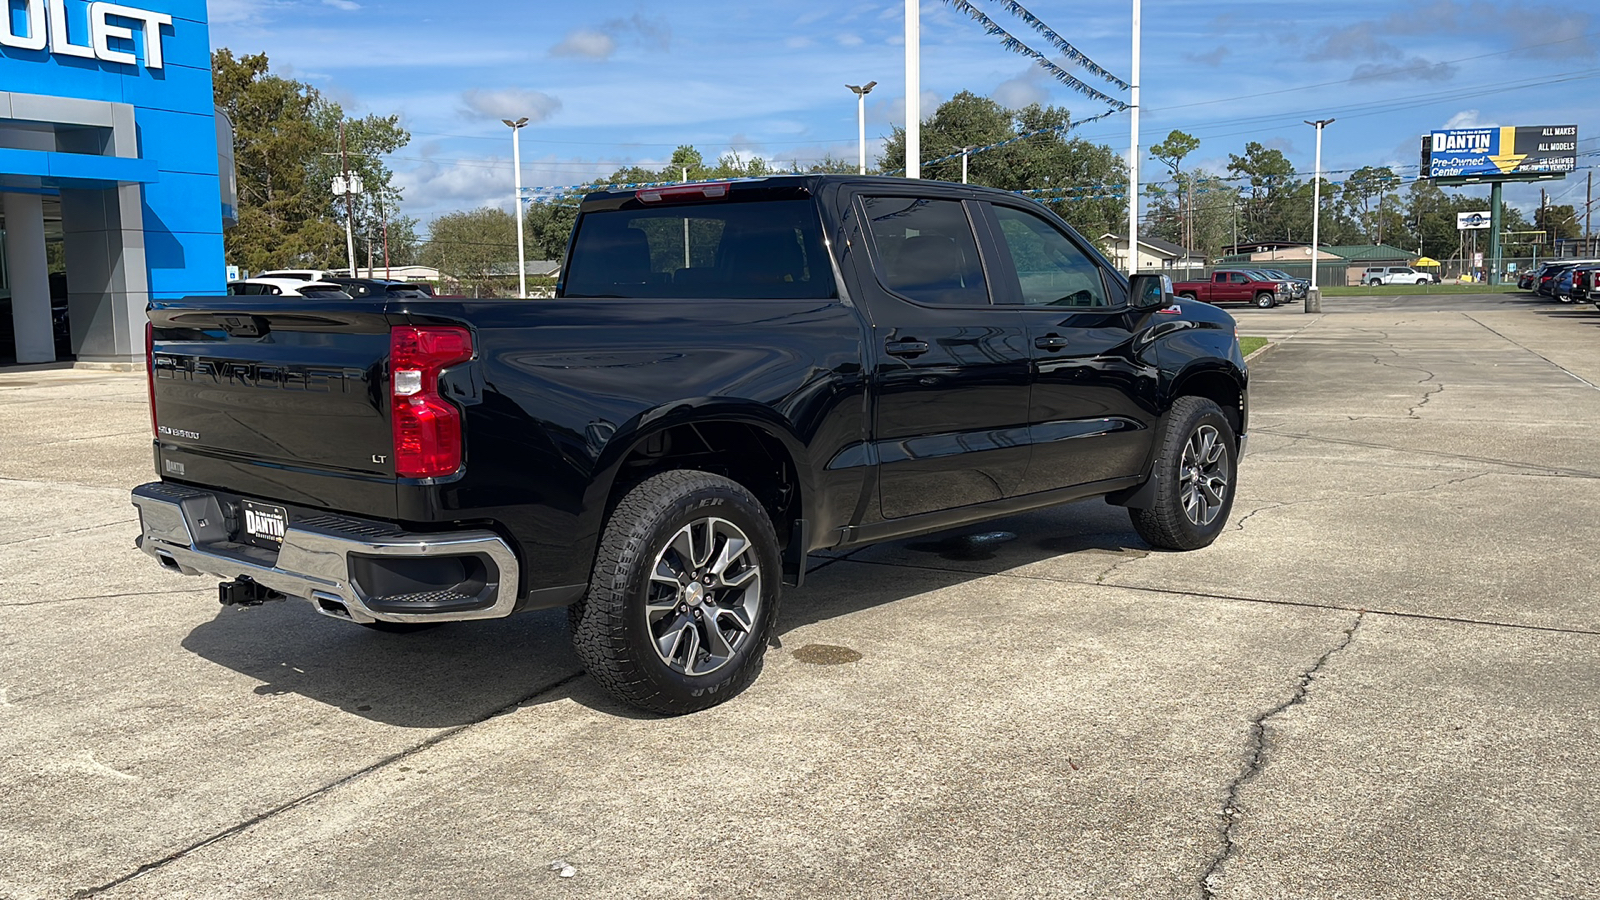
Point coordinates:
[(316, 293), (926, 250), (756, 250)]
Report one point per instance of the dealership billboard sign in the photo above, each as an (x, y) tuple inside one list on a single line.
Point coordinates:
[(1472, 221), (1490, 152)]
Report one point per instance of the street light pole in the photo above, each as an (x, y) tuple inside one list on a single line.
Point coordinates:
[(913, 89), (1133, 155), (861, 91), (516, 163), (1314, 298)]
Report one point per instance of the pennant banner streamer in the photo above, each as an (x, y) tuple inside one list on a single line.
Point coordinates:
[(1060, 43), (1011, 43)]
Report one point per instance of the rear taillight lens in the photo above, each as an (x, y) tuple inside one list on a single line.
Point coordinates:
[(427, 427), (150, 372)]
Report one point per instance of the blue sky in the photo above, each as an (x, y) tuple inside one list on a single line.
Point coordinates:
[(616, 82)]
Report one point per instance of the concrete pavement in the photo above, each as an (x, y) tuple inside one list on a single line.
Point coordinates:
[(1378, 682)]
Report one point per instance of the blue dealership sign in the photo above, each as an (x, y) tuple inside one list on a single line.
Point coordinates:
[(61, 59)]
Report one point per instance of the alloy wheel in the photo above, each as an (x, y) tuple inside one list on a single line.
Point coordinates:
[(704, 596), (1203, 474)]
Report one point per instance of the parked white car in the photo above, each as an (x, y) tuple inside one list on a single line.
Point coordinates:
[(1376, 275), (287, 287), (298, 274)]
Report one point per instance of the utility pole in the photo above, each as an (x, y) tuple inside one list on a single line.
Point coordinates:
[(1133, 154), (914, 88), (1544, 219), (1588, 215), (964, 164), (350, 203), (387, 274)]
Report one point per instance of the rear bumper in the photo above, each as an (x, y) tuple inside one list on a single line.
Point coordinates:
[(355, 569)]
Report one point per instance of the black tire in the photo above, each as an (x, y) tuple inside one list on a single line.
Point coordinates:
[(1265, 300), (1375, 283), (1168, 524), (400, 627), (612, 627), (1186, 296)]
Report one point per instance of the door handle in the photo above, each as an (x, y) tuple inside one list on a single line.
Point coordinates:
[(1051, 342), (906, 348)]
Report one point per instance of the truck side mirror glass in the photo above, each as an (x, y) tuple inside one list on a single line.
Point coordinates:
[(1150, 291)]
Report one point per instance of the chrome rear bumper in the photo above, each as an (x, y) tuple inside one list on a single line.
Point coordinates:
[(322, 556)]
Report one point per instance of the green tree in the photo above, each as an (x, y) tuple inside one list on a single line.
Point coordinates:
[(1363, 194), (1269, 193), (1171, 153), (286, 143), (477, 249), (549, 226)]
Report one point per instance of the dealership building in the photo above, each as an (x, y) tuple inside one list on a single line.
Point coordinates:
[(110, 192)]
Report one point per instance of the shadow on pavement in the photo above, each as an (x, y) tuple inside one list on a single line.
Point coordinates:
[(460, 673)]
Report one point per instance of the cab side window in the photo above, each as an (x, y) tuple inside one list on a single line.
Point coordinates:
[(925, 250), (1238, 278), (1051, 269)]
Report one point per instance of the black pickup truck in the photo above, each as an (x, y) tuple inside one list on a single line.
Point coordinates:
[(730, 376)]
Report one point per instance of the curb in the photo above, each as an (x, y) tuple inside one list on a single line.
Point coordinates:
[(1268, 348)]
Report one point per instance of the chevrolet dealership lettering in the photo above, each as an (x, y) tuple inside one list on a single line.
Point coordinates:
[(45, 26)]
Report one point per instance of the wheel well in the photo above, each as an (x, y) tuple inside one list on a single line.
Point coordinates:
[(738, 451), (1219, 389)]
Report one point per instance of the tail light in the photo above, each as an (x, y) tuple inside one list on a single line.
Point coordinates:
[(682, 192), (150, 372), (427, 427)]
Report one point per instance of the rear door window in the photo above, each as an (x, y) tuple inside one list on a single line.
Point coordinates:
[(925, 251), (728, 249)]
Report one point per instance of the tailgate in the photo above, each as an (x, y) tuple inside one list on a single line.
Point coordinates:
[(289, 394)]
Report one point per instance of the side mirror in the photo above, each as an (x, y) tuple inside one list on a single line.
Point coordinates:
[(1150, 291)]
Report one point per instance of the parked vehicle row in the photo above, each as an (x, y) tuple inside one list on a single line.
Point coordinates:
[(1566, 280), (325, 287)]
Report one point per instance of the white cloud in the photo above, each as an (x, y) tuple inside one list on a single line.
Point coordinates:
[(1468, 118), (586, 43), (1032, 86), (850, 40), (601, 42), (511, 103), (346, 5), (227, 12)]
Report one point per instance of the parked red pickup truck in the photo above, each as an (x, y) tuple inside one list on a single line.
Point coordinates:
[(1234, 286)]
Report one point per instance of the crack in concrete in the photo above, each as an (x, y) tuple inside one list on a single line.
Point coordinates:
[(1135, 556), (303, 799), (1256, 761), (1270, 504)]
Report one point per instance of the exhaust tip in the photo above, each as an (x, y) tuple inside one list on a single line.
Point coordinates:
[(332, 606)]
